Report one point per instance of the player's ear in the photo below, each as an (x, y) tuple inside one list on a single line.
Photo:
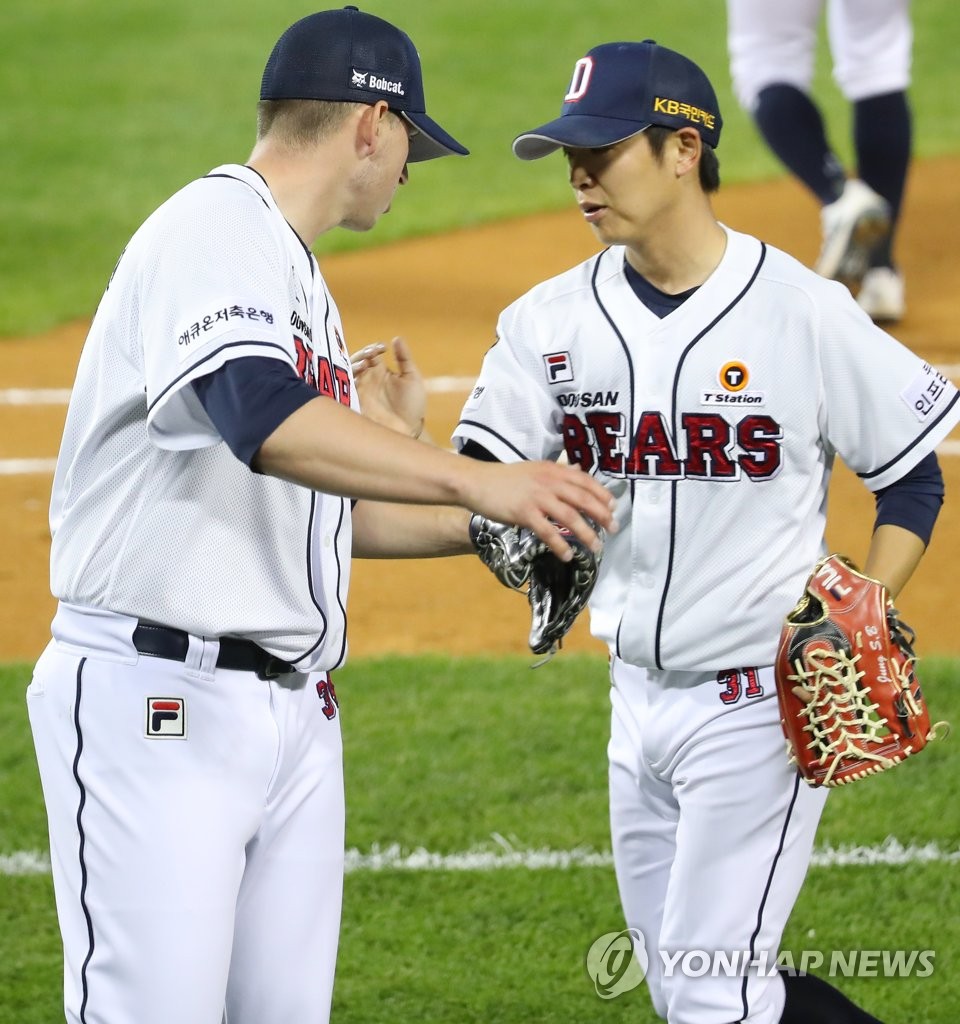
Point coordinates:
[(371, 124), (687, 149)]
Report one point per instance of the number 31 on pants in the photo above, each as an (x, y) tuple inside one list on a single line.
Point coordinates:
[(739, 683), (328, 698)]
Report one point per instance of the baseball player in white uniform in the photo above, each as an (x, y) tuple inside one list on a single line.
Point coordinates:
[(709, 380), (773, 45), (185, 720)]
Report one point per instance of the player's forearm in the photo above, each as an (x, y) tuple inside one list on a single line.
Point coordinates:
[(893, 556), (382, 530), (329, 448)]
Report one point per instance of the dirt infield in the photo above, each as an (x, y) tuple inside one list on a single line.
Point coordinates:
[(444, 294)]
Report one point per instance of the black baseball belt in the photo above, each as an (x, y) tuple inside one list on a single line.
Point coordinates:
[(235, 654)]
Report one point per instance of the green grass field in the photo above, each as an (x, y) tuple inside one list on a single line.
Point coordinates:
[(110, 107), (453, 755)]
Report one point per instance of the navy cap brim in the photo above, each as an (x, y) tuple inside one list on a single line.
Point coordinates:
[(576, 131), (430, 140)]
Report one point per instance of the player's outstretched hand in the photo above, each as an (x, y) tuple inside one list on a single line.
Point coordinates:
[(544, 496), (395, 398)]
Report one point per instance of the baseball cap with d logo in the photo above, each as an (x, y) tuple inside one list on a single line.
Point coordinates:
[(618, 90), (347, 55)]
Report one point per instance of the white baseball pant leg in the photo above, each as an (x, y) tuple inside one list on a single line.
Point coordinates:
[(871, 43), (196, 879), (771, 43), (775, 43), (712, 833)]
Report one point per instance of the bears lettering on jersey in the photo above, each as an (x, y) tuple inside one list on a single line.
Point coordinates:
[(305, 370), (711, 448), (329, 379)]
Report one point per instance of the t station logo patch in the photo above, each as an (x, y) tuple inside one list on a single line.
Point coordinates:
[(733, 378), (166, 718)]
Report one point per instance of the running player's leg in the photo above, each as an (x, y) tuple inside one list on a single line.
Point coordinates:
[(871, 42), (772, 50)]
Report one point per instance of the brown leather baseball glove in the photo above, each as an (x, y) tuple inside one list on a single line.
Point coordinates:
[(850, 701)]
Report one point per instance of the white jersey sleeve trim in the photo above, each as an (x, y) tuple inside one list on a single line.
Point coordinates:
[(496, 444), (918, 449), (176, 420)]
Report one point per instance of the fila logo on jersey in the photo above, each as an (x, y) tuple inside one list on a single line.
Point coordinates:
[(166, 718), (559, 367)]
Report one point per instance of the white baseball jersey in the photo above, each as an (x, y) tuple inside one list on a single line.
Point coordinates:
[(152, 515), (716, 427)]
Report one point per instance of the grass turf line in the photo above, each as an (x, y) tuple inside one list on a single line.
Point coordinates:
[(111, 108), (441, 752)]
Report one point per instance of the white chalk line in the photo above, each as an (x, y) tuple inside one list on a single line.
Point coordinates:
[(434, 385), (27, 467), (504, 855), (61, 396), (34, 396)]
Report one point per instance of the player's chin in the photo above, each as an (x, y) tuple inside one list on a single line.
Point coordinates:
[(358, 223), (600, 223), (604, 235), (366, 219)]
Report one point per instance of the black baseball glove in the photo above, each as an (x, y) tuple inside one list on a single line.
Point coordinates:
[(557, 591)]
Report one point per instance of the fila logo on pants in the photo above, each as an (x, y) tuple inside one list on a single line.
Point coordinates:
[(166, 718)]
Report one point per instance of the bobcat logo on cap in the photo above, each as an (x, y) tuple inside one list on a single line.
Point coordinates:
[(371, 80)]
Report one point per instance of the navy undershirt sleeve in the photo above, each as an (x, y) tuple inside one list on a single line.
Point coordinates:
[(248, 398), (914, 500), (477, 451)]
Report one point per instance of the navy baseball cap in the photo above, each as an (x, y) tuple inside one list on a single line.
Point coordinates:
[(618, 90), (347, 55)]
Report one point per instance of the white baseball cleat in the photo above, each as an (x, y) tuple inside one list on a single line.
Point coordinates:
[(881, 295), (852, 227)]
